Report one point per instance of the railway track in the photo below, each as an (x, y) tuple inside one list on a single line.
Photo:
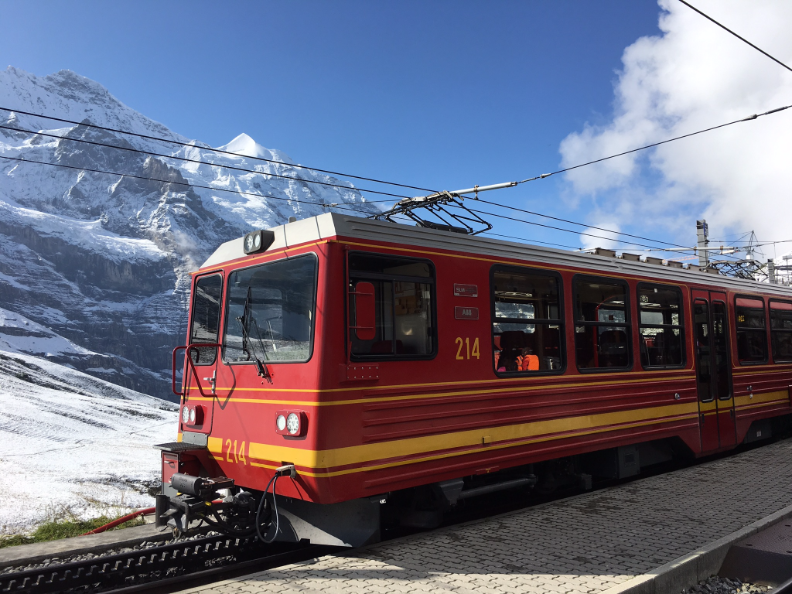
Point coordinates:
[(180, 565), (159, 569)]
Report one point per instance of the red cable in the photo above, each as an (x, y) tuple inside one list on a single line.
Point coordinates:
[(121, 520)]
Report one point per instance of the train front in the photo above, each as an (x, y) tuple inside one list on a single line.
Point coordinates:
[(249, 391)]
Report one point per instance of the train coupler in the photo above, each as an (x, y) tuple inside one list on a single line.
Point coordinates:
[(190, 498)]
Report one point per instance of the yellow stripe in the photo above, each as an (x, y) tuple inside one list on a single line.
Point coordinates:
[(215, 445), (764, 369), (616, 378), (778, 396), (468, 451), (763, 404), (421, 445), (493, 391)]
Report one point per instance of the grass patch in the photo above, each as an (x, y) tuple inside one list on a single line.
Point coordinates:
[(57, 529)]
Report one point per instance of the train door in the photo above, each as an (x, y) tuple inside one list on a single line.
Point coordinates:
[(713, 379), (201, 377), (727, 428)]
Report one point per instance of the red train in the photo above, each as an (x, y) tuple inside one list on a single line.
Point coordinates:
[(388, 371)]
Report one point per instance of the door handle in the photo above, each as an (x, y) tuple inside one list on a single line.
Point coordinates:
[(212, 380)]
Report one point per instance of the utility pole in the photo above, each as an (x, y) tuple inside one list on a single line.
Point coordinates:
[(702, 233), (771, 271)]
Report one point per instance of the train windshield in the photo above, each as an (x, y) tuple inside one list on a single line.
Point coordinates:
[(270, 312)]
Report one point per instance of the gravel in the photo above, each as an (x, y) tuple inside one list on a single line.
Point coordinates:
[(720, 585), (146, 544)]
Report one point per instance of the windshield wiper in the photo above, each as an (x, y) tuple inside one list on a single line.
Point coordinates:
[(244, 321)]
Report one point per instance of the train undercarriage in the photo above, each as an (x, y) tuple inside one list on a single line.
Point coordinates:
[(190, 501)]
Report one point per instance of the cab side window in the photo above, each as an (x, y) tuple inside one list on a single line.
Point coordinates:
[(527, 325), (404, 290), (602, 324), (206, 318), (749, 315)]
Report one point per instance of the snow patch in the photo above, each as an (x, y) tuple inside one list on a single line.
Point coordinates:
[(90, 439)]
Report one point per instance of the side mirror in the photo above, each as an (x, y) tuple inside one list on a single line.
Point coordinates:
[(365, 316)]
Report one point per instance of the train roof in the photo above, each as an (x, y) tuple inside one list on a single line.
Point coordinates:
[(329, 225)]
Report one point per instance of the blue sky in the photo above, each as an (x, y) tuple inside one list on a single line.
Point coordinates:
[(443, 94)]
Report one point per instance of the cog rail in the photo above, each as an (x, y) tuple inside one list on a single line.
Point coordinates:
[(158, 568)]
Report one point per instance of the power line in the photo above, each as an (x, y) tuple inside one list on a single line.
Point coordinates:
[(743, 39), (218, 151), (153, 154), (178, 183), (538, 214), (648, 146), (523, 240), (569, 230)]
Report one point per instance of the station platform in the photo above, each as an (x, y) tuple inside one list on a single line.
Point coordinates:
[(655, 535)]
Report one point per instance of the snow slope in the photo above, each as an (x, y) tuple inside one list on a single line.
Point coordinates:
[(74, 444), (103, 260)]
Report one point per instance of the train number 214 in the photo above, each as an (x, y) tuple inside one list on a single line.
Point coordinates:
[(234, 453), (464, 351)]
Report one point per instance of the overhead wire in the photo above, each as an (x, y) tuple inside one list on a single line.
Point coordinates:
[(186, 159), (542, 176), (214, 150), (538, 214), (175, 182), (524, 240), (600, 160), (571, 230), (654, 144), (743, 39)]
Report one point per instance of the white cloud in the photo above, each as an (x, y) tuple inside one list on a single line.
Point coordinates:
[(693, 76), (598, 238)]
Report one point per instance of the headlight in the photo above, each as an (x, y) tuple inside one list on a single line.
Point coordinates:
[(293, 423), (185, 414), (280, 422), (192, 415)]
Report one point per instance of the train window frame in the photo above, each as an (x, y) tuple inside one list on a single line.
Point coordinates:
[(561, 321), (776, 331), (577, 279), (737, 329), (259, 264), (191, 337), (680, 326), (431, 280)]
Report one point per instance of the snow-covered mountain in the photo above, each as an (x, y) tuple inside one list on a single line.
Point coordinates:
[(91, 442), (101, 260)]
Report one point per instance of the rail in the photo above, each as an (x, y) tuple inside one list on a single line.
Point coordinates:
[(159, 569)]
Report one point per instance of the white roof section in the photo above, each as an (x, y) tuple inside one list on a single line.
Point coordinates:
[(326, 226)]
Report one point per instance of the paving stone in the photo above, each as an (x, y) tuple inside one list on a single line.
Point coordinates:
[(579, 545)]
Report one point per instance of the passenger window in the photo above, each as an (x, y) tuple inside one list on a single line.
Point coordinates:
[(751, 332), (527, 329), (781, 330), (403, 302), (602, 324), (206, 318), (661, 328)]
